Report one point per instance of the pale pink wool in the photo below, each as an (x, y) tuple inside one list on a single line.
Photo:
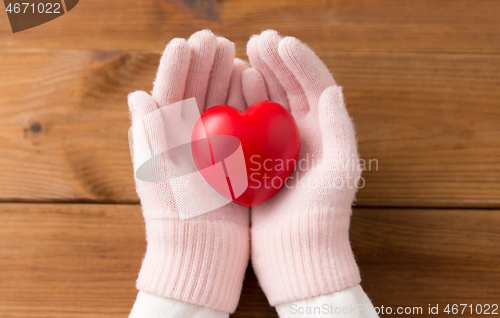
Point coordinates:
[(300, 237), (201, 260), (300, 241)]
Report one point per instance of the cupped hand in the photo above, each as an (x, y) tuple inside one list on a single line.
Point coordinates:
[(200, 260), (300, 243)]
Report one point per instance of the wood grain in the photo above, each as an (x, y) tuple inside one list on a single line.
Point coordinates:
[(421, 81), (328, 25), (81, 260), (69, 260), (428, 122), (415, 257)]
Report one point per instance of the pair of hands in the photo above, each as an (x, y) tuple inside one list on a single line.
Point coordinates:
[(299, 246)]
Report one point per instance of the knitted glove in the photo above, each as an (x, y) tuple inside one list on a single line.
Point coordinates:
[(199, 260), (300, 237)]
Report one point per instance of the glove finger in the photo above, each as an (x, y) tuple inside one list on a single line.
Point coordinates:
[(140, 103), (337, 129), (268, 49), (254, 87), (312, 74), (170, 80), (235, 97), (220, 76), (274, 89), (146, 123), (203, 45)]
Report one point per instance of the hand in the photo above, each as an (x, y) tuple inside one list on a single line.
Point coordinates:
[(300, 241), (200, 260)]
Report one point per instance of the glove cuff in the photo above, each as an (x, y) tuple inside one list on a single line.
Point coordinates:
[(200, 260), (304, 254)]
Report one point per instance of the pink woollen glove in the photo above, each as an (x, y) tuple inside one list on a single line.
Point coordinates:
[(300, 237), (199, 260)]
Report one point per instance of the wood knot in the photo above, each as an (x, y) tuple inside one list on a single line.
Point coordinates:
[(35, 128)]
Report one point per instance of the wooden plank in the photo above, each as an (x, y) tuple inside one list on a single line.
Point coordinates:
[(328, 26), (429, 120), (67, 260), (64, 122), (419, 257)]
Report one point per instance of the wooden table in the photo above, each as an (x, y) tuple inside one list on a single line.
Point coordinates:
[(422, 83)]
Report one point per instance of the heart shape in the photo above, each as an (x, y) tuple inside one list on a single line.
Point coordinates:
[(252, 167)]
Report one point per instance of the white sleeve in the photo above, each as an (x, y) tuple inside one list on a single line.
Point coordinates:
[(152, 306), (351, 302)]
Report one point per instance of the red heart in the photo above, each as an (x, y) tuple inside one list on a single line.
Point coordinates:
[(270, 142)]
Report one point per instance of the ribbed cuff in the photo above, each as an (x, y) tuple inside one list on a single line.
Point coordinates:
[(200, 260), (298, 255)]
